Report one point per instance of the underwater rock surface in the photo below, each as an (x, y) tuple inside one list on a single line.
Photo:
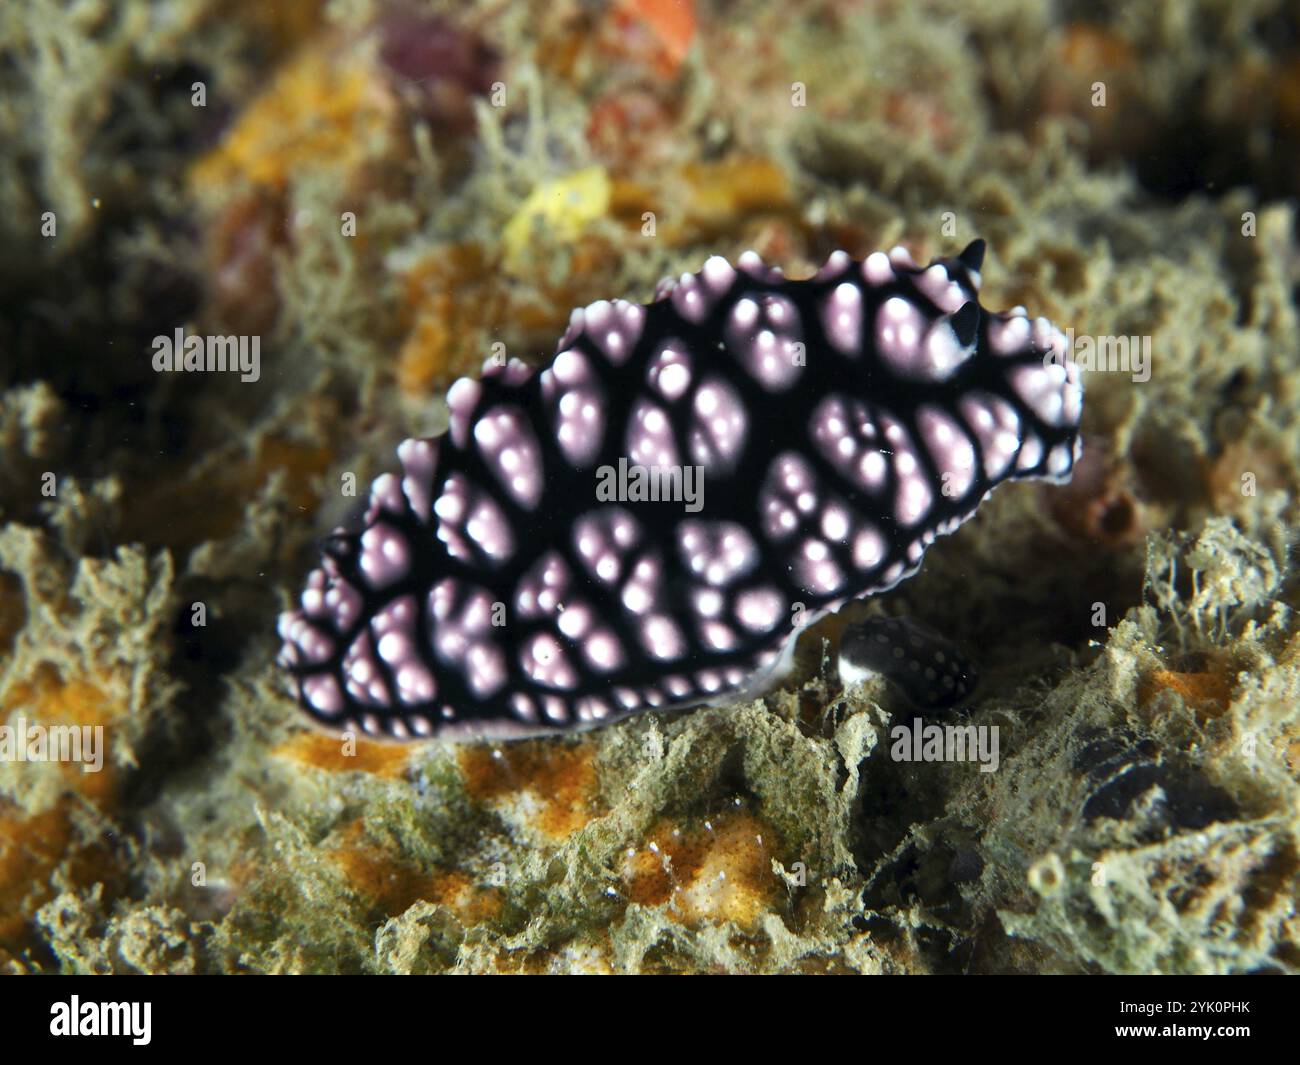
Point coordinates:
[(296, 175)]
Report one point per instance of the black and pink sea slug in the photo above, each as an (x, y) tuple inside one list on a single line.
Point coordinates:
[(814, 436)]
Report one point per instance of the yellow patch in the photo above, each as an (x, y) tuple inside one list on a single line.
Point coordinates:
[(389, 760), (316, 112), (563, 208)]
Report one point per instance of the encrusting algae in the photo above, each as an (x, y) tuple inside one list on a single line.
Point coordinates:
[(718, 870)]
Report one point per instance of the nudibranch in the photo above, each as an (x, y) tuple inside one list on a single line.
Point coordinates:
[(651, 519), (929, 670)]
